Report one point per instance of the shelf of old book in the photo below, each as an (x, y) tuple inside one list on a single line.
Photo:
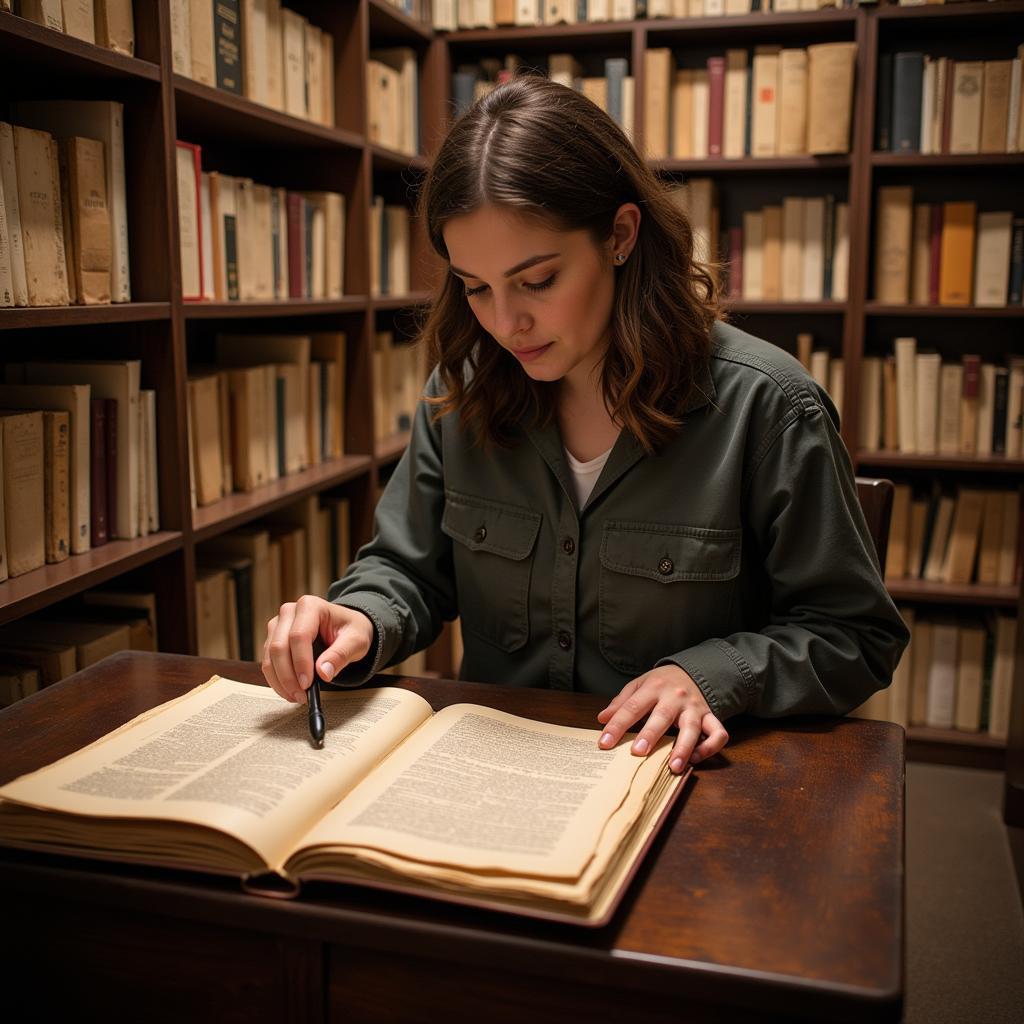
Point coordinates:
[(954, 11), (390, 24), (807, 24), (608, 34), (420, 298), (386, 159), (22, 595), (831, 306), (988, 312), (390, 448), (754, 165), (71, 316), (955, 736), (276, 308), (206, 112), (28, 48), (238, 508), (933, 463), (928, 592), (947, 160)]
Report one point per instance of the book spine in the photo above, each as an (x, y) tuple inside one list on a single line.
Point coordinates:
[(1016, 291), (1000, 396), (907, 79), (716, 104), (883, 126), (112, 445), (98, 471), (227, 31), (935, 253)]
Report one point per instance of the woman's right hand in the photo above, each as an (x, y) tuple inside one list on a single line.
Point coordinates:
[(288, 651)]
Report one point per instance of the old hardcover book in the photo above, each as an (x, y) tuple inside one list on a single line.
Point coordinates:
[(928, 373), (965, 535), (54, 659), (735, 116), (293, 48), (249, 425), (255, 48), (965, 115), (764, 137), (658, 73), (969, 675), (716, 104), (771, 253), (871, 403), (115, 26), (227, 32), (956, 271), (213, 613), (908, 72), (253, 547), (942, 676), (42, 226), (939, 539), (830, 96), (893, 214), (986, 408), (969, 404), (920, 263), (682, 113), (813, 250), (992, 259), (47, 13), (89, 214), (899, 533), (12, 209), (793, 90), (995, 106), (6, 275), (1015, 408), (315, 76), (1002, 677), (906, 394), (991, 538), (17, 682), (204, 410), (79, 19), (1008, 546), (56, 435), (951, 385), (327, 60), (24, 490), (753, 255), (791, 285), (890, 417), (201, 44), (181, 38), (362, 832), (275, 56), (98, 470), (700, 88), (921, 645)]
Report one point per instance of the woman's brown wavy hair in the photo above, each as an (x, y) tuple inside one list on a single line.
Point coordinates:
[(545, 152)]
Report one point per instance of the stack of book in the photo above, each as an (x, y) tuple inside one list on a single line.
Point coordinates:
[(913, 402), (828, 371), (240, 240), (773, 103), (932, 104), (106, 23), (399, 373), (43, 649), (63, 207), (796, 252), (450, 15), (614, 91), (256, 49), (274, 406), (392, 97), (389, 249), (954, 675), (246, 575), (82, 449), (946, 253), (966, 539)]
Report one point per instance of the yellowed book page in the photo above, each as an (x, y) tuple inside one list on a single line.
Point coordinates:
[(434, 799), (228, 756)]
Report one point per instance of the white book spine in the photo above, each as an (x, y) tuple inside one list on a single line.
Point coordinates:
[(942, 677)]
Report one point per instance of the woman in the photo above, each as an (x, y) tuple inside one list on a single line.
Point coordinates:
[(617, 492)]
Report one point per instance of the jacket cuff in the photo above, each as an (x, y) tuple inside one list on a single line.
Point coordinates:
[(385, 638), (722, 675)]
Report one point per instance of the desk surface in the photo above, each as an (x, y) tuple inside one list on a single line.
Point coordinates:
[(777, 884)]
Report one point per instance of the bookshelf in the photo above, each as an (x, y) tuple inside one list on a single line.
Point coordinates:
[(237, 135)]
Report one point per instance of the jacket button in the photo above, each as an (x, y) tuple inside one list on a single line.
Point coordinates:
[(481, 534), (564, 641), (568, 545), (665, 566)]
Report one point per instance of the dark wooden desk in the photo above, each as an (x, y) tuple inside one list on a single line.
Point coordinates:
[(776, 892)]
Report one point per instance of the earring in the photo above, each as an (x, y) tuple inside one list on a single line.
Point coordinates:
[(620, 257)]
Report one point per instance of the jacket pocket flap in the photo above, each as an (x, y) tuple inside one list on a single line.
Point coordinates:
[(670, 554), (489, 526)]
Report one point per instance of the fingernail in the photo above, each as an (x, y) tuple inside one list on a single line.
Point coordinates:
[(606, 740), (677, 765), (303, 681), (641, 746), (327, 670)]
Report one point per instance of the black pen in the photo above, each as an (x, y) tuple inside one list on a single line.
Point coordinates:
[(317, 722)]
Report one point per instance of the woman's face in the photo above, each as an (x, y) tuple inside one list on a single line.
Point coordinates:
[(544, 295)]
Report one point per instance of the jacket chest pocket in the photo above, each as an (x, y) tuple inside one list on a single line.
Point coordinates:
[(663, 588), (492, 549)]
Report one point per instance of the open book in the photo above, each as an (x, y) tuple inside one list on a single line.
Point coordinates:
[(468, 804)]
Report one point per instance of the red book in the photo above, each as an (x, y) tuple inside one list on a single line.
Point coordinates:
[(735, 263), (296, 246), (111, 455), (98, 472), (947, 108), (935, 254), (972, 376), (716, 104)]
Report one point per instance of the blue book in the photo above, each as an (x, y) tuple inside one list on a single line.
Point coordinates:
[(615, 70), (463, 86)]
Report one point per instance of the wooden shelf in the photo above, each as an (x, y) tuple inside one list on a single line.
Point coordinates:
[(26, 46), (275, 308), (606, 34), (380, 302), (238, 509), (754, 165), (41, 587), (73, 316), (960, 463), (943, 12), (952, 747), (205, 113), (956, 736), (786, 308), (953, 593), (947, 161), (987, 312), (772, 21), (391, 448), (388, 24), (385, 159)]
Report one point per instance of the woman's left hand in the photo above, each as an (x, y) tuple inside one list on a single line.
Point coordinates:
[(668, 696)]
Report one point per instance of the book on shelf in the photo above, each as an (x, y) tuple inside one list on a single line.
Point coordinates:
[(360, 826), (390, 257), (399, 374), (107, 23), (188, 166), (392, 90)]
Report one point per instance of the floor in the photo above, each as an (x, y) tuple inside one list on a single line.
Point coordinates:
[(965, 922)]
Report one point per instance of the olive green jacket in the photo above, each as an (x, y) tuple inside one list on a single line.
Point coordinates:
[(737, 552)]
